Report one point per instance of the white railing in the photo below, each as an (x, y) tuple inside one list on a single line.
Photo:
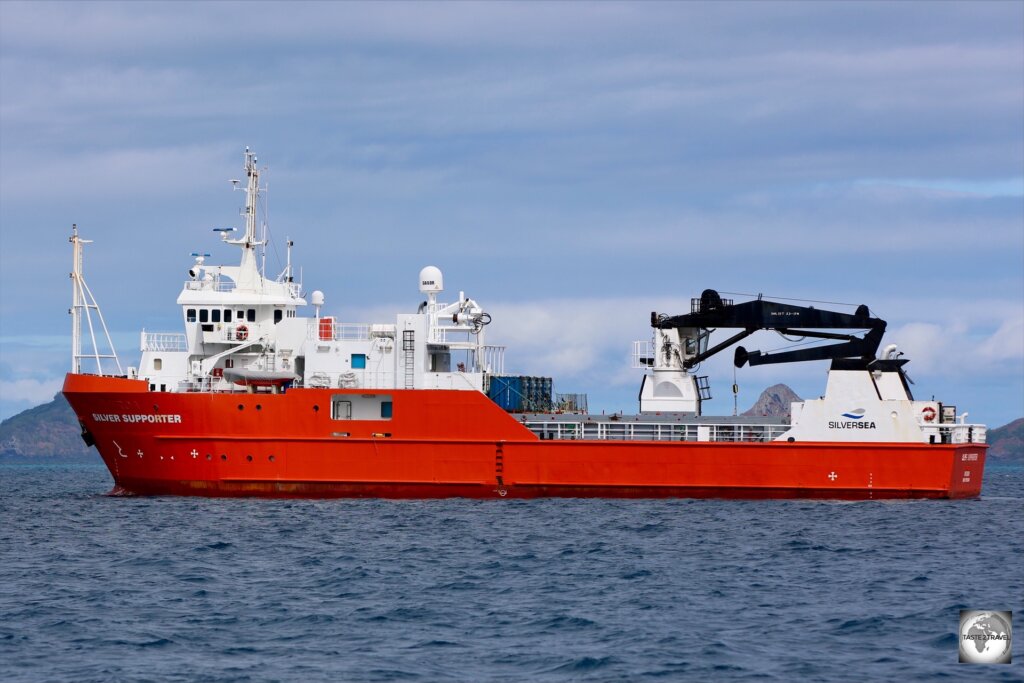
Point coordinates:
[(961, 433), (452, 335), (214, 285), (493, 359), (655, 431), (643, 350), (351, 331), (323, 330), (163, 341), (218, 284)]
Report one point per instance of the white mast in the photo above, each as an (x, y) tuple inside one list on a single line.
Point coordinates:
[(249, 276), (83, 300)]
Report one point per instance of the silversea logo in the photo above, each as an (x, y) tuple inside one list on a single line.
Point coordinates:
[(854, 420)]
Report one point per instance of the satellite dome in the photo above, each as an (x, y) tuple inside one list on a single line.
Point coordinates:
[(317, 298), (431, 280)]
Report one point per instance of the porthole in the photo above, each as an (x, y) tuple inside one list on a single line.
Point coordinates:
[(223, 456), (271, 458), (209, 457), (259, 407), (241, 407), (316, 409), (248, 458)]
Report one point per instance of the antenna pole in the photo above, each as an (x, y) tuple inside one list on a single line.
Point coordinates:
[(288, 267), (83, 300), (76, 298), (250, 278), (251, 192)]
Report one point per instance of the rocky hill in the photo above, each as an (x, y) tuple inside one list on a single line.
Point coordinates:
[(47, 430), (774, 401), (1006, 443)]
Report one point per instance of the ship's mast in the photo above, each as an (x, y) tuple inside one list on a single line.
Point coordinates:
[(82, 300), (249, 275), (76, 298)]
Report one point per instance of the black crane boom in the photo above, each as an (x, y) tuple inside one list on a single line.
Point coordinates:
[(712, 312)]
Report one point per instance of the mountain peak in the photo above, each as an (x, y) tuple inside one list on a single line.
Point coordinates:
[(774, 402)]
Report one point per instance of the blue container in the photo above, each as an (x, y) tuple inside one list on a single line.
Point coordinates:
[(521, 393), (507, 392)]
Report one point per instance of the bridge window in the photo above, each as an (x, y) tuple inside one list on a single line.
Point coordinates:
[(215, 315), (227, 315), (250, 315), (204, 315), (190, 315), (158, 364), (278, 314)]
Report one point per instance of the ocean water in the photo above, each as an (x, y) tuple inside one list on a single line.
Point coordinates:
[(102, 588)]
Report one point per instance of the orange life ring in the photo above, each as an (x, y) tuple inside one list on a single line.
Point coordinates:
[(241, 333), (928, 413)]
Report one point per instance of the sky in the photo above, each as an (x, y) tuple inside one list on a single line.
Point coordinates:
[(572, 166)]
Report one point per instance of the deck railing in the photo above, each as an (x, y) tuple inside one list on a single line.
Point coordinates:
[(215, 284), (960, 433), (655, 431), (163, 341), (628, 430), (325, 329)]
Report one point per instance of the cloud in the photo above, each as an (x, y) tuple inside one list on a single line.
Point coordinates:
[(584, 158), (29, 391), (948, 187), (1006, 344), (118, 173)]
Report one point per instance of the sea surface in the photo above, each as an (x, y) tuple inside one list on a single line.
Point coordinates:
[(101, 588)]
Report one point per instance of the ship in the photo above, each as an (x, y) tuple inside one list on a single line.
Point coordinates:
[(256, 399)]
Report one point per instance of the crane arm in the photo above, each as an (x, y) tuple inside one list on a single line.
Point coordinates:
[(712, 312)]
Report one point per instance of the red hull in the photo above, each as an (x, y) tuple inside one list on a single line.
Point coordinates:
[(459, 443)]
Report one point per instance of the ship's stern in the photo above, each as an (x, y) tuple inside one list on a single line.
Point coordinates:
[(968, 470)]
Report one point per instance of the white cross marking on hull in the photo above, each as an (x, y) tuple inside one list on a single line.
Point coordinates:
[(832, 476)]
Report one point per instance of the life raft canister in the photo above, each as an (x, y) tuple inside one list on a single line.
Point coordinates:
[(241, 333), (928, 413)]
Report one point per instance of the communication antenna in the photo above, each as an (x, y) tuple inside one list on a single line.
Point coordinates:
[(288, 268), (82, 301)]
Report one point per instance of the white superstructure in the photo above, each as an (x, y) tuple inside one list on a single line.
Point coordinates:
[(243, 329)]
